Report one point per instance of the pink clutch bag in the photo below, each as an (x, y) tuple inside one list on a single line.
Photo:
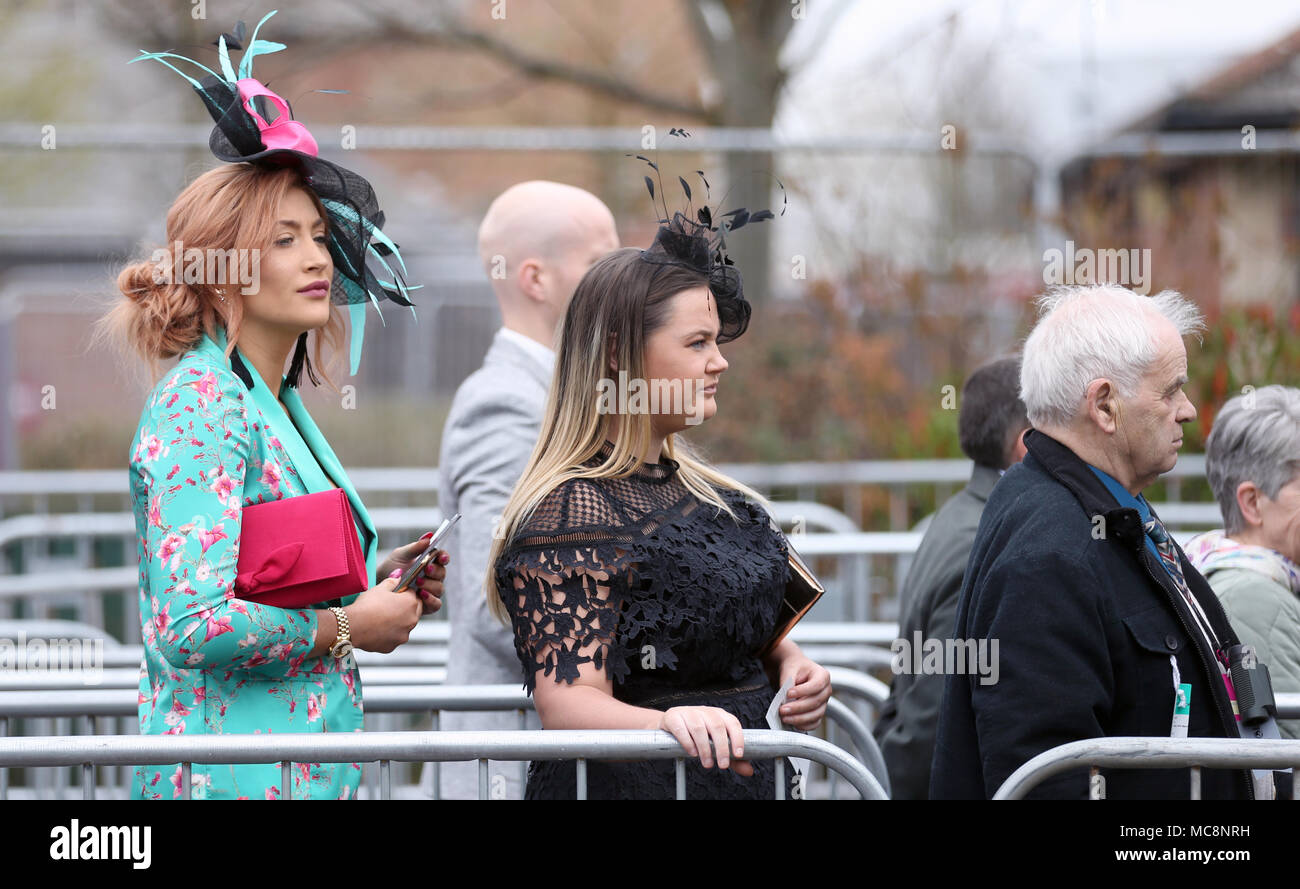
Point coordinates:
[(299, 551)]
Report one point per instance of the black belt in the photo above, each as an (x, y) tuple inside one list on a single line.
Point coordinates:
[(754, 682)]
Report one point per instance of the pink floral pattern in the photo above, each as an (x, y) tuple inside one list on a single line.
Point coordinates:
[(216, 664)]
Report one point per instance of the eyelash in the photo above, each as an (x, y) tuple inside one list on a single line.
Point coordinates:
[(288, 239), (698, 343)]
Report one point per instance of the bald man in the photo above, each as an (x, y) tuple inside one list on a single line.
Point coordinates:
[(536, 242)]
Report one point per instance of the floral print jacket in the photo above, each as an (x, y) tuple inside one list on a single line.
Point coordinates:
[(212, 440)]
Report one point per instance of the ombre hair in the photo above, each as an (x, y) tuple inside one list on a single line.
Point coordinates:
[(617, 306), (230, 208)]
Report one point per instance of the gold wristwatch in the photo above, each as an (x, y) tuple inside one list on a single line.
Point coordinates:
[(342, 646)]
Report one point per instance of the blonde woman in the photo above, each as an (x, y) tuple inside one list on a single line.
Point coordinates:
[(641, 583)]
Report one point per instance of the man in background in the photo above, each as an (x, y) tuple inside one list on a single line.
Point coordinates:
[(990, 423), (536, 242), (1103, 627)]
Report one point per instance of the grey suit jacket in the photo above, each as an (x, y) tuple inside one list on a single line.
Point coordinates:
[(489, 435), (928, 604)]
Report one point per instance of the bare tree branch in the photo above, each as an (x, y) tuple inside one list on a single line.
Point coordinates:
[(452, 34), (828, 22)]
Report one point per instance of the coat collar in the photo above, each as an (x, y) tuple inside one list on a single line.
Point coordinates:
[(1063, 465), (505, 350), (982, 481), (312, 457), (1124, 524)]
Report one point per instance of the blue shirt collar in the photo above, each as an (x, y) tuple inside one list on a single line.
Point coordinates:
[(1122, 496)]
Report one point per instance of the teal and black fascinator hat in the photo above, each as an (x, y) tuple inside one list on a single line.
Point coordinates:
[(255, 125)]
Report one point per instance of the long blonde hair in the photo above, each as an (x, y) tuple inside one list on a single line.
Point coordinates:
[(227, 208), (617, 305)]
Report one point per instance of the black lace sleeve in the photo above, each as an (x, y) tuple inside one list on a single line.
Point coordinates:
[(562, 582), (563, 604)]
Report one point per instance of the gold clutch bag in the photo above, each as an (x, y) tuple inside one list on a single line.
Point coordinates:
[(801, 593)]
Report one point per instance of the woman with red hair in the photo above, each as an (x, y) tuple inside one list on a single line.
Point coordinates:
[(225, 429)]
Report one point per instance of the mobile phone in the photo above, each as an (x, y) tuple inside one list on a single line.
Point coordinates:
[(427, 556)]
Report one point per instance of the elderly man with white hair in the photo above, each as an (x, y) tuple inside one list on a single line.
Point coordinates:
[(1252, 460), (1101, 626), (536, 242)]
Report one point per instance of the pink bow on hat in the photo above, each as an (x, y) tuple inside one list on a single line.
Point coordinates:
[(285, 132)]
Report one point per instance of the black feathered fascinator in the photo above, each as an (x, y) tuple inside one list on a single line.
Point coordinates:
[(255, 125), (697, 239)]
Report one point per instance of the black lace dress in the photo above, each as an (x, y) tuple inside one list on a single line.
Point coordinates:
[(670, 596)]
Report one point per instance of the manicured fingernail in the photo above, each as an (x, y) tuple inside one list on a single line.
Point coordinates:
[(427, 536), (444, 559), (397, 572)]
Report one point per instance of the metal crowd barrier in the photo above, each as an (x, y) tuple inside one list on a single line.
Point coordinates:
[(386, 748), (868, 689), (95, 705), (804, 478), (1151, 753), (71, 583), (858, 646), (862, 558), (842, 663)]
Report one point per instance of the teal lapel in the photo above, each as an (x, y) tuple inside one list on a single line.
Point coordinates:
[(312, 457), (324, 454)]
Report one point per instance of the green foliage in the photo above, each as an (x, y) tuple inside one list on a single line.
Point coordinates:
[(1244, 346)]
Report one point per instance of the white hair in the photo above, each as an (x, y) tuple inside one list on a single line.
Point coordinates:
[(1086, 332)]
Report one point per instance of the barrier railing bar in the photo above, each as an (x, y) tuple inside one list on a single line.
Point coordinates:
[(582, 778), (1195, 792), (523, 766), (1150, 753), (422, 747), (839, 715), (81, 701), (868, 688), (679, 769), (437, 766), (116, 704)]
